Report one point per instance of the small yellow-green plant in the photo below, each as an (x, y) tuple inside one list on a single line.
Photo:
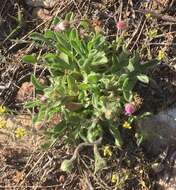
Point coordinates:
[(2, 110), (20, 132), (152, 33), (3, 123)]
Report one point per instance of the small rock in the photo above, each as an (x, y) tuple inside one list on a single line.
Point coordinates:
[(25, 92), (171, 185), (47, 4), (159, 131), (42, 14), (157, 167)]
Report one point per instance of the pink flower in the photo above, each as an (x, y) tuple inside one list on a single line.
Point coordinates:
[(62, 26), (43, 98), (129, 109), (142, 63), (120, 25)]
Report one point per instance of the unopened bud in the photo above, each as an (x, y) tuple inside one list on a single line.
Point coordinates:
[(67, 166), (43, 98), (120, 25), (62, 26)]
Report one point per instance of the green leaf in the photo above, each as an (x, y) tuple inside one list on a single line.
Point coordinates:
[(36, 83), (63, 40), (30, 59), (34, 119), (116, 134), (59, 130), (50, 35), (123, 58), (64, 57), (131, 66), (95, 59), (73, 34), (140, 137), (143, 78), (46, 145), (128, 95), (37, 37), (100, 163), (77, 48), (64, 50), (82, 134), (72, 86), (128, 86), (84, 86), (94, 132), (77, 76), (134, 63), (56, 62), (84, 24), (122, 78), (97, 42), (69, 16), (56, 20), (41, 114), (144, 115), (32, 104), (100, 58), (119, 41), (93, 78)]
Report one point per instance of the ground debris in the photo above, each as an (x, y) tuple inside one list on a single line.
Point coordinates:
[(42, 3)]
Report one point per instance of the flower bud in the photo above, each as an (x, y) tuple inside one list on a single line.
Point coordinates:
[(56, 119), (120, 25), (67, 166), (100, 163), (62, 26), (129, 108), (108, 114), (43, 98)]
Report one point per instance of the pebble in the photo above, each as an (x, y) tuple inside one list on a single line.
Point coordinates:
[(41, 14), (157, 167), (159, 131), (47, 4)]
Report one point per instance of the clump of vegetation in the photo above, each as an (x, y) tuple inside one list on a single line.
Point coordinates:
[(91, 85)]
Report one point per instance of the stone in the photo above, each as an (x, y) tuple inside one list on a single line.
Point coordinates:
[(25, 92), (157, 167), (159, 131), (41, 14), (47, 4), (171, 185)]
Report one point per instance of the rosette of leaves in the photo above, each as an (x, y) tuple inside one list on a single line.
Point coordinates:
[(90, 81)]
